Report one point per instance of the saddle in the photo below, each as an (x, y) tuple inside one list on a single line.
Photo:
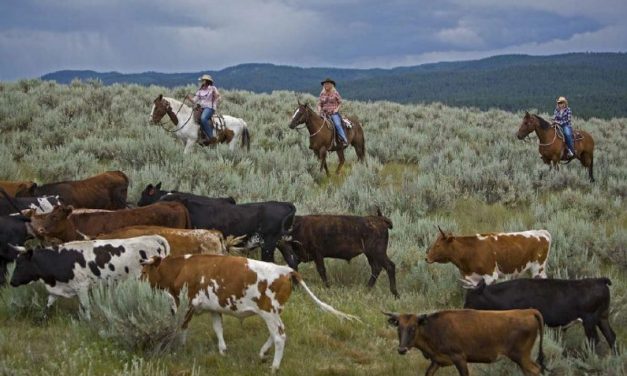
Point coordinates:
[(577, 136), (222, 133), (346, 124)]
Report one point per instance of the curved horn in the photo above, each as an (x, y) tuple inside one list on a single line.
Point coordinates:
[(441, 232), (18, 248)]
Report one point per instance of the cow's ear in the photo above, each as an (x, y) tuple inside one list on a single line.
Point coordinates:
[(527, 115), (422, 319), (392, 318), (158, 186), (154, 261), (28, 213), (67, 210)]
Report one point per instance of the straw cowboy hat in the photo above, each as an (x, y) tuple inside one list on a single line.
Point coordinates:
[(327, 80), (206, 77), (562, 100)]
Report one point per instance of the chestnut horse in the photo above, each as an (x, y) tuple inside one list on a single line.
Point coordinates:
[(552, 145), (322, 132)]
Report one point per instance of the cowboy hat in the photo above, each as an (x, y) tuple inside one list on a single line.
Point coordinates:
[(327, 80), (206, 77), (562, 99)]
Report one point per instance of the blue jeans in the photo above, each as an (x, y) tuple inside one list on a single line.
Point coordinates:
[(337, 121), (568, 136), (205, 121)]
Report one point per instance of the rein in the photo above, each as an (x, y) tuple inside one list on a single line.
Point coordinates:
[(324, 122)]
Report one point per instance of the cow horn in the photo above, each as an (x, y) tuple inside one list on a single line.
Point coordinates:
[(18, 248), (441, 232), (85, 237), (466, 284)]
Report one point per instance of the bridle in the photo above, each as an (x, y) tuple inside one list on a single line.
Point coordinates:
[(169, 111)]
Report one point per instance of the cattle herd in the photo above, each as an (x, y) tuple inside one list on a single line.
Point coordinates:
[(90, 233)]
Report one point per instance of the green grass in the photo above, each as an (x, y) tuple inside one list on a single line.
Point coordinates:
[(427, 165)]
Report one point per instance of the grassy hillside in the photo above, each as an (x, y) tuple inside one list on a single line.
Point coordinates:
[(594, 82), (428, 165)]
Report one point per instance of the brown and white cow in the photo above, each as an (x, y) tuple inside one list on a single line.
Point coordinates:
[(13, 188), (458, 337), (181, 241), (490, 256), (104, 191), (65, 225), (234, 286)]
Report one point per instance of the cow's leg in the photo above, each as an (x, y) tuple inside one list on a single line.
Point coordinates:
[(277, 331), (390, 269), (51, 300), (266, 347), (218, 329), (319, 260), (433, 367), (460, 364), (375, 268), (267, 250), (83, 300), (608, 333), (590, 328), (528, 366)]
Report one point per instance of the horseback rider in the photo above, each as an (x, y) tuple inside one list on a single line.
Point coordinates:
[(329, 104), (562, 116), (208, 98)]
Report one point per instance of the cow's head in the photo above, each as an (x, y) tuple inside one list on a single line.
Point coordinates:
[(408, 325), (50, 225), (440, 250), (26, 270), (150, 270), (26, 189), (150, 195)]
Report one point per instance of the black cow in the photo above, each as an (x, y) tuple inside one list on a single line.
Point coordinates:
[(153, 193), (316, 237), (263, 223), (13, 231), (561, 301), (11, 205)]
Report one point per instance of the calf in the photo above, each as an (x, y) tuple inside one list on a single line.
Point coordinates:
[(13, 231), (104, 191), (561, 301), (262, 224), (314, 237), (153, 193), (73, 268), (458, 337), (234, 286), (65, 225), (182, 241), (490, 256), (41, 205)]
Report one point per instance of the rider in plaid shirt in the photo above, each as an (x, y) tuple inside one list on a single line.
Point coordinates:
[(562, 116), (329, 104)]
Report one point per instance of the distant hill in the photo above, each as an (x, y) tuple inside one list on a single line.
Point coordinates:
[(595, 83)]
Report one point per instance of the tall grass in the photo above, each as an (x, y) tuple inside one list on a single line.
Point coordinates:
[(427, 165)]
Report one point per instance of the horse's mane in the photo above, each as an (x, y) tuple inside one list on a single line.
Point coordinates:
[(543, 123), (175, 104)]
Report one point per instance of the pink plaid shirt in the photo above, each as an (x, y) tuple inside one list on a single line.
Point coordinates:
[(206, 97), (330, 101)]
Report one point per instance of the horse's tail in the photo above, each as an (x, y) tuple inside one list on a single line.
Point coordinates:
[(245, 137)]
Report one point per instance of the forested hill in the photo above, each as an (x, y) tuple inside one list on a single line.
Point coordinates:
[(595, 83)]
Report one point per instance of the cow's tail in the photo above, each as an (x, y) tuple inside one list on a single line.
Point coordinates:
[(10, 200), (231, 244), (245, 137), (288, 221), (324, 306), (540, 358)]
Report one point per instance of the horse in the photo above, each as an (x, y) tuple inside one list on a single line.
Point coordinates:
[(552, 144), (321, 135), (186, 129)]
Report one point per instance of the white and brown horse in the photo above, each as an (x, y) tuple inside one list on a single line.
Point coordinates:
[(187, 129), (322, 133)]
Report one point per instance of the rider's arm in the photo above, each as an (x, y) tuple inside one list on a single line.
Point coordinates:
[(339, 101), (569, 115)]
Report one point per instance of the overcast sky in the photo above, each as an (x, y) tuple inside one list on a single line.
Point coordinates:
[(38, 37)]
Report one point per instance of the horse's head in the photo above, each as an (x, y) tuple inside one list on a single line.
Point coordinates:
[(528, 125), (159, 109), (301, 115)]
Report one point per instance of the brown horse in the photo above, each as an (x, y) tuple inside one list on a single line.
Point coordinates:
[(552, 145), (322, 132)]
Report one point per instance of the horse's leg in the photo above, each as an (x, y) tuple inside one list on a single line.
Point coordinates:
[(188, 145), (322, 154), (340, 156), (588, 161)]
